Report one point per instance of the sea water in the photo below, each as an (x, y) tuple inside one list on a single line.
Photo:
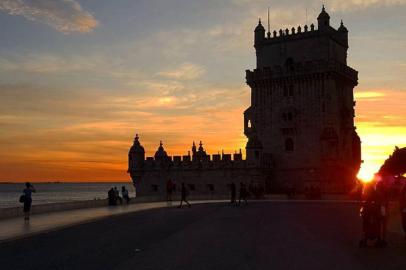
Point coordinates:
[(59, 192)]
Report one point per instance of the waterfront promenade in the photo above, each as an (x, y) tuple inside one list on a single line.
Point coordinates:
[(267, 234)]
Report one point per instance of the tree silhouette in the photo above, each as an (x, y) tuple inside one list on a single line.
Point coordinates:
[(395, 164)]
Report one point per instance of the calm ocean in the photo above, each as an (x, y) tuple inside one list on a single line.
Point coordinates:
[(59, 192)]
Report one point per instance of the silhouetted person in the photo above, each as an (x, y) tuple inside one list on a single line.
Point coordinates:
[(124, 194), (233, 191), (184, 194), (117, 195), (382, 198), (169, 190), (371, 218), (402, 205), (27, 199), (243, 194), (112, 197)]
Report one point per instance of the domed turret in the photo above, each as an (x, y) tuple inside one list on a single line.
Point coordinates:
[(343, 34), (323, 19), (342, 28), (136, 155), (160, 153), (200, 154), (137, 147), (259, 33)]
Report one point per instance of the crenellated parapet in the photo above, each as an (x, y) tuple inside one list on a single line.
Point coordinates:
[(340, 35), (198, 160)]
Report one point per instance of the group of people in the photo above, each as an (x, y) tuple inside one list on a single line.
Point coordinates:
[(114, 196), (184, 193), (243, 194), (374, 213)]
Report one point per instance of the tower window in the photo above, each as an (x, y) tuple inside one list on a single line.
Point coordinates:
[(249, 124), (289, 146)]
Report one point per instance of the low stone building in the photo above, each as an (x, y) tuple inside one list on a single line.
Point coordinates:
[(204, 175)]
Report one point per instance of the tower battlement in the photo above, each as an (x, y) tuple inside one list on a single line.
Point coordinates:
[(198, 160), (293, 34), (301, 44)]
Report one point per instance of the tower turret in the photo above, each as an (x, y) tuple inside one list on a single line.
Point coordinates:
[(254, 151), (259, 33), (323, 19), (343, 33), (136, 155), (160, 154), (194, 149)]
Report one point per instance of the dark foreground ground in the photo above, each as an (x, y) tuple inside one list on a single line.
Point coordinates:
[(263, 235)]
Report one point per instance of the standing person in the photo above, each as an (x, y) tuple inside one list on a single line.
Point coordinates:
[(383, 202), (169, 190), (124, 194), (112, 197), (117, 195), (29, 189), (243, 194), (402, 205), (184, 194), (233, 191)]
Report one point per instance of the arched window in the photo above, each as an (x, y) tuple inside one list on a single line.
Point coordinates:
[(249, 124), (289, 146)]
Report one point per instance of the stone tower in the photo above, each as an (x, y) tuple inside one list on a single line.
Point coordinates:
[(301, 118)]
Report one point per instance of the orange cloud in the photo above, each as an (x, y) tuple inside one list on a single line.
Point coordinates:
[(65, 16)]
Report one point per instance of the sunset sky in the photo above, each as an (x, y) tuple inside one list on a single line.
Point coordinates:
[(79, 78)]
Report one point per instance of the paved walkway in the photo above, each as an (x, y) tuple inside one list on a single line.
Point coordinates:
[(15, 228), (263, 235)]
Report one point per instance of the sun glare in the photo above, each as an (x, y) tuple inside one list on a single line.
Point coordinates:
[(366, 173)]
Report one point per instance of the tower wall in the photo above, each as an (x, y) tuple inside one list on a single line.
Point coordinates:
[(302, 107)]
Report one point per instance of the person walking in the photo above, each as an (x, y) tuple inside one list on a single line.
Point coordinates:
[(184, 194), (27, 199), (169, 190), (124, 194), (402, 205), (233, 191), (243, 194), (382, 199)]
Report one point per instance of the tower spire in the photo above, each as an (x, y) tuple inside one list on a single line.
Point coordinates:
[(269, 27)]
